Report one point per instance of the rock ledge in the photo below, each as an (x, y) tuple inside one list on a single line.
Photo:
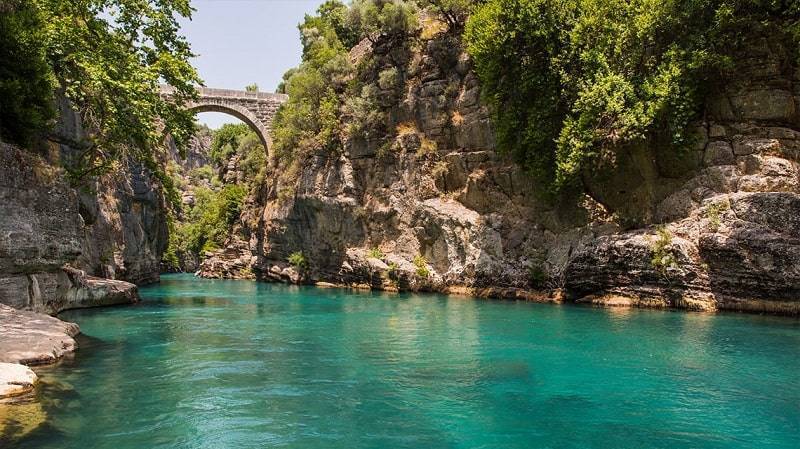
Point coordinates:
[(32, 338)]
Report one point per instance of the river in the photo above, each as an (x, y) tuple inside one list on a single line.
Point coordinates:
[(239, 364)]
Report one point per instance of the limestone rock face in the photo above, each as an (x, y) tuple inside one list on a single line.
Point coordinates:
[(438, 208), (125, 228), (113, 227), (40, 228)]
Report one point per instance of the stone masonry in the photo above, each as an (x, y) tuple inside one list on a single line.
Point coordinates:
[(257, 109)]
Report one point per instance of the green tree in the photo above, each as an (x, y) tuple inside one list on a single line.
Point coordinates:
[(569, 82), (454, 12), (226, 141), (26, 80), (251, 87), (372, 19), (108, 58), (309, 120)]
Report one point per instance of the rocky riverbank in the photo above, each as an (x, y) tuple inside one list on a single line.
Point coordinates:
[(28, 339)]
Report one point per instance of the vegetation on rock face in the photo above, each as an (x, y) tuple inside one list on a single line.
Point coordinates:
[(298, 260), (206, 224), (331, 99), (225, 142), (107, 57), (570, 81), (663, 256), (376, 253), (421, 265)]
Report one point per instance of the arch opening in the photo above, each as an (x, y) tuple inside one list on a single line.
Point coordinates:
[(242, 114)]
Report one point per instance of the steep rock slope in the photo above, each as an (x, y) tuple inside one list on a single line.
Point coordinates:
[(713, 227), (63, 247)]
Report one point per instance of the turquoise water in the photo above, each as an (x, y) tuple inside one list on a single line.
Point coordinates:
[(237, 364)]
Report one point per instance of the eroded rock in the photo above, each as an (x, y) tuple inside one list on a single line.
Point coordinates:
[(16, 379), (32, 338)]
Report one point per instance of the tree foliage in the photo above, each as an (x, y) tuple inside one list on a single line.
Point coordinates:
[(570, 80), (107, 57), (26, 81), (226, 141), (329, 99), (453, 12), (206, 224)]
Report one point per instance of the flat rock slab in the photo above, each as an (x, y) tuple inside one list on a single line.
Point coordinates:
[(16, 379), (32, 338)]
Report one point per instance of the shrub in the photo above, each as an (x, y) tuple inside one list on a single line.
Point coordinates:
[(426, 147), (375, 18), (376, 253), (202, 172), (298, 260), (422, 266), (452, 12), (285, 194), (389, 79), (538, 276), (714, 212), (253, 156), (440, 169), (663, 257), (226, 141)]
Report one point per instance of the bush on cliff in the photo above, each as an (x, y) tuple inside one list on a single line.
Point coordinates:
[(330, 97), (570, 81)]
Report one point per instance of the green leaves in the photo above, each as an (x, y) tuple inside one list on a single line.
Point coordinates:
[(26, 80), (226, 141), (568, 81), (108, 58)]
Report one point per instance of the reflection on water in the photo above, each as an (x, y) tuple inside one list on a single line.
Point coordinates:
[(223, 364)]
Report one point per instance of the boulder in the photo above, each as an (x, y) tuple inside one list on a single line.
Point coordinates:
[(34, 338), (16, 379)]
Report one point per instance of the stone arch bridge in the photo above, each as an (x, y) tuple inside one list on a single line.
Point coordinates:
[(257, 109)]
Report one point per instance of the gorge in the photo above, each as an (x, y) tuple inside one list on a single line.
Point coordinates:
[(424, 156)]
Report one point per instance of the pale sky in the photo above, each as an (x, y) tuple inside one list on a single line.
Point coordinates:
[(240, 42)]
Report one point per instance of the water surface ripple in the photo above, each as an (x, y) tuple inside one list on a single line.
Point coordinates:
[(237, 364)]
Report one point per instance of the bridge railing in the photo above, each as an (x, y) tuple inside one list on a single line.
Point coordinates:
[(230, 93)]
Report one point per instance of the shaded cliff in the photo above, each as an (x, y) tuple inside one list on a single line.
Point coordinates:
[(65, 246)]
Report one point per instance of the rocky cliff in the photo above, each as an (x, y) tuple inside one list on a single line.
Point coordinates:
[(712, 227), (64, 247)]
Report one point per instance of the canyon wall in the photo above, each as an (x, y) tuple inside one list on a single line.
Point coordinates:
[(65, 247), (711, 227)]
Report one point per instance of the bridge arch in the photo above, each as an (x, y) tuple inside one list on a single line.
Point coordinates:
[(256, 109), (242, 114)]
